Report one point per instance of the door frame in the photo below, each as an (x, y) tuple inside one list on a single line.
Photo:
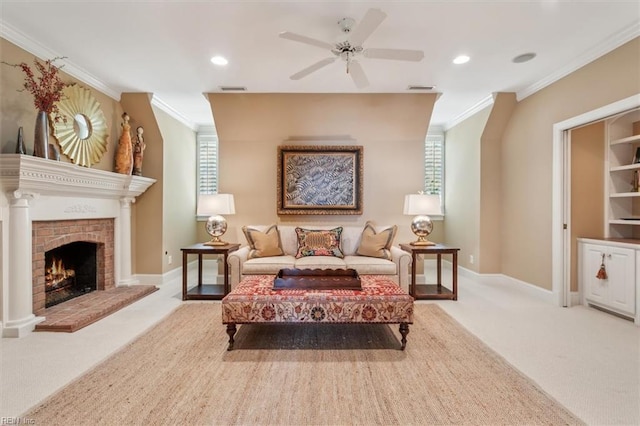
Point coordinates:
[(561, 202)]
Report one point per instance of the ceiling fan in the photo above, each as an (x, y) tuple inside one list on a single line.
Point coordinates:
[(351, 48)]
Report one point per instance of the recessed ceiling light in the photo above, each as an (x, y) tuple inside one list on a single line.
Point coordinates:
[(462, 59), (219, 60), (523, 58)]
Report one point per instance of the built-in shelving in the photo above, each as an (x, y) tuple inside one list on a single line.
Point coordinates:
[(623, 176)]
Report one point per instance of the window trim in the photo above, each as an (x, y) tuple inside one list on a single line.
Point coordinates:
[(436, 134)]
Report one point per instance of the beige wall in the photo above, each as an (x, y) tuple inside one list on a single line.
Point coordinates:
[(527, 156), (490, 251), (179, 184), (390, 127), (162, 217), (587, 188), (462, 187), (17, 109), (147, 212), (525, 174)]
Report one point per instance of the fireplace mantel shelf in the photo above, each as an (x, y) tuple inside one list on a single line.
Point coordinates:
[(29, 174)]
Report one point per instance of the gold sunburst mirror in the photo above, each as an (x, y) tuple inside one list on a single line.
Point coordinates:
[(83, 138)]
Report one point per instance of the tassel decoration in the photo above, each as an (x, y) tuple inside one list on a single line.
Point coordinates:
[(602, 272)]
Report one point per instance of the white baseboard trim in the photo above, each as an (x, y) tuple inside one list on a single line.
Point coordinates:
[(575, 298), (497, 279), (176, 274)]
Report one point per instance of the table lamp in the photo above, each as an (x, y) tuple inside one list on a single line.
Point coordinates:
[(422, 205), (214, 206)]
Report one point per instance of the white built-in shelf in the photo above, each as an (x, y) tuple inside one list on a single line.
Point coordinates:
[(624, 222), (630, 139), (625, 194), (635, 166)]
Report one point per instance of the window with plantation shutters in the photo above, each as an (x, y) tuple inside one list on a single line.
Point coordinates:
[(433, 163), (207, 164)]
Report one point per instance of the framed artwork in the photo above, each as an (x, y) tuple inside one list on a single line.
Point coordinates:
[(636, 157), (320, 180)]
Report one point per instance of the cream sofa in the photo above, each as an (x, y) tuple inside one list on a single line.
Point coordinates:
[(397, 268)]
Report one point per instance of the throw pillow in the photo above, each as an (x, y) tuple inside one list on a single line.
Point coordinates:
[(263, 244), (374, 244), (312, 242)]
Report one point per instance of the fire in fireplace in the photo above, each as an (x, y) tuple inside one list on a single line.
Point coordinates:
[(70, 271)]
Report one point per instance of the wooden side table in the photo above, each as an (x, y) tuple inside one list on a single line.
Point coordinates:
[(206, 291), (433, 291)]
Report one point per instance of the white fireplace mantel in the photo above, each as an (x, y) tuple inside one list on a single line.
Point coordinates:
[(42, 176), (40, 189)]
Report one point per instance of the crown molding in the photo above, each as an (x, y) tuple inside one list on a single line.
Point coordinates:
[(39, 50), (485, 102), (207, 129), (157, 102), (610, 43)]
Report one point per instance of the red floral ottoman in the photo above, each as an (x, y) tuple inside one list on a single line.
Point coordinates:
[(381, 301)]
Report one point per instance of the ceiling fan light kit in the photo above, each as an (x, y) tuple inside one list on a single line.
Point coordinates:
[(352, 47)]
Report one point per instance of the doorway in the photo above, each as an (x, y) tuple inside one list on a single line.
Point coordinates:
[(562, 252)]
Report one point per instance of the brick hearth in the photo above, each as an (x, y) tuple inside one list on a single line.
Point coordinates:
[(81, 311)]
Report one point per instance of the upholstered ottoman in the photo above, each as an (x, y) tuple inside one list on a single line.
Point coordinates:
[(381, 301)]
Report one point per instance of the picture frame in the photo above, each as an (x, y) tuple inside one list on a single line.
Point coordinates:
[(636, 157), (320, 180)]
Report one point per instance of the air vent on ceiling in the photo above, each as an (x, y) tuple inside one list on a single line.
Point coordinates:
[(233, 88), (413, 87)]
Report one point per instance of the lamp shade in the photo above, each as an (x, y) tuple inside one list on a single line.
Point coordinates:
[(215, 204), (422, 204)]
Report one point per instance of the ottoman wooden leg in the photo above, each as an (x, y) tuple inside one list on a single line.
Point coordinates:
[(404, 330), (231, 331)]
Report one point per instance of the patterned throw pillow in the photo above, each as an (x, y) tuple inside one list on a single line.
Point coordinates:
[(374, 244), (312, 242), (263, 244)]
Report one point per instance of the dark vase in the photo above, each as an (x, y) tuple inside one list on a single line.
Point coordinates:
[(41, 136), (20, 148)]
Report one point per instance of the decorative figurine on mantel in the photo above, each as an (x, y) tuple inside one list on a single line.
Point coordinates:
[(138, 152), (20, 148), (124, 153)]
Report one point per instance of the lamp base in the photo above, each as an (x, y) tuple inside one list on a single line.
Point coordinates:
[(423, 243), (215, 241)]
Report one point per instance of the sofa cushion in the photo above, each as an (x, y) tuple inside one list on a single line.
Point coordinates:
[(263, 244), (371, 265), (376, 244), (267, 265), (316, 242), (320, 262)]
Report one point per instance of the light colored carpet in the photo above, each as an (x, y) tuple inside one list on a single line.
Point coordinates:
[(313, 374)]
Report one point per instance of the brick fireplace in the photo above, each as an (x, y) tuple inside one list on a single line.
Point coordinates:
[(46, 204), (51, 235)]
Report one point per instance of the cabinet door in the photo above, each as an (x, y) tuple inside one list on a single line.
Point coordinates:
[(621, 268), (595, 289)]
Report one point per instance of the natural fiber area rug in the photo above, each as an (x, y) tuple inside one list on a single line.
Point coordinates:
[(181, 373)]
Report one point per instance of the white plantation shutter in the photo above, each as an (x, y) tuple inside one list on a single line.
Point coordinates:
[(433, 163), (207, 164)]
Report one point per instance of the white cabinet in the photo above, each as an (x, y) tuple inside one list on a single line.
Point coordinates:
[(618, 291)]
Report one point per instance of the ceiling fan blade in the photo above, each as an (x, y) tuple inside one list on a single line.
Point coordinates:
[(357, 74), (395, 54), (315, 67), (367, 26), (306, 40)]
